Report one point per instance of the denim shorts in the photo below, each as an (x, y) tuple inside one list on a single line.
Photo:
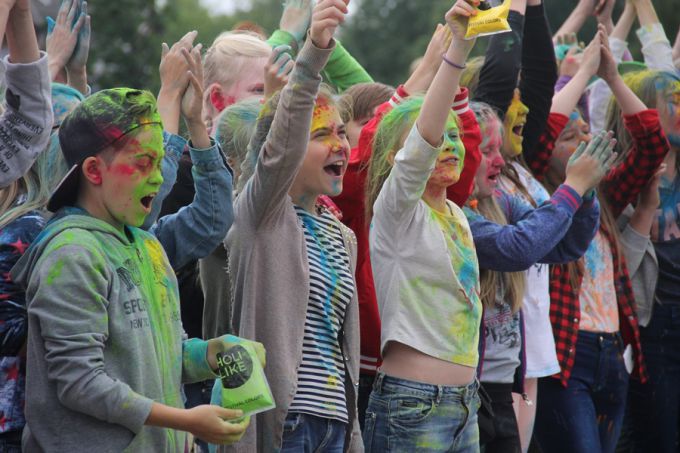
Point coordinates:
[(408, 416)]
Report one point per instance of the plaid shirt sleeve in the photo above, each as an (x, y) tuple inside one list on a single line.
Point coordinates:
[(625, 181), (539, 157)]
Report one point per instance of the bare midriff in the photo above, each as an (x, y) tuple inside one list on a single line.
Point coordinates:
[(404, 362)]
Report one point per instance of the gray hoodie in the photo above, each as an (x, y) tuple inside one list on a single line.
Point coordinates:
[(105, 339)]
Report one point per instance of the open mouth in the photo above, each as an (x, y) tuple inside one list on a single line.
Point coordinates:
[(147, 200), (450, 160), (518, 129), (493, 178), (335, 169)]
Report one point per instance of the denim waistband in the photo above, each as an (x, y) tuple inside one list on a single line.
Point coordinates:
[(600, 338), (465, 393)]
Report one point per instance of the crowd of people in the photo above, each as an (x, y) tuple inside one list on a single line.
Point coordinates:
[(484, 258)]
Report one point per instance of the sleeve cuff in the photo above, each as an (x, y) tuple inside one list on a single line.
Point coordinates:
[(280, 37), (314, 58), (42, 61), (567, 197), (136, 411), (399, 95), (174, 144), (206, 157), (461, 102), (643, 122), (195, 360), (652, 34)]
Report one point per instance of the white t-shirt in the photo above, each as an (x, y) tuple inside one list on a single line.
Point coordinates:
[(541, 357), (424, 264)]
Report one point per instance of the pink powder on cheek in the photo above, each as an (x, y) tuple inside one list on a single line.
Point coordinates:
[(123, 169)]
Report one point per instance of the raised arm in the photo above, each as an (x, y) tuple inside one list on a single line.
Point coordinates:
[(195, 230), (413, 164), (283, 152), (498, 77), (536, 235), (539, 72), (27, 122), (625, 181), (656, 48)]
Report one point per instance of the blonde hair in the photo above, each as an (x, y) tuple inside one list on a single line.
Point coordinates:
[(35, 186), (470, 76), (513, 284), (647, 86), (227, 55)]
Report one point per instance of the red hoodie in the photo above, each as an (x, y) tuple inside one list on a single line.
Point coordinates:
[(352, 203)]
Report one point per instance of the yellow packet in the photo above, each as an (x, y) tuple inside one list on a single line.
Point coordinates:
[(490, 21)]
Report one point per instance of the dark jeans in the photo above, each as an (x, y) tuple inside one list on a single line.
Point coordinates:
[(10, 442), (506, 438), (654, 410), (586, 416), (304, 433), (365, 386)]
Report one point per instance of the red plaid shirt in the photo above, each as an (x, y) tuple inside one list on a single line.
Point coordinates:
[(620, 187)]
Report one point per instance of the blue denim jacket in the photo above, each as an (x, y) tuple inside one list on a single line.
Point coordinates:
[(195, 230)]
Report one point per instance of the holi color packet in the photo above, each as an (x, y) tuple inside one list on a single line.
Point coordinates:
[(244, 385)]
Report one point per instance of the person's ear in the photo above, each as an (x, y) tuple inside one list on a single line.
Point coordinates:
[(216, 97), (91, 170)]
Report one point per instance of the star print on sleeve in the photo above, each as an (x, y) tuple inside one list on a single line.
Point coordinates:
[(19, 246)]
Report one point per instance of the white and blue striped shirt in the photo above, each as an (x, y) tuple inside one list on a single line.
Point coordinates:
[(321, 375)]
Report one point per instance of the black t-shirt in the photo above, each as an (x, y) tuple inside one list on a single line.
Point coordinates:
[(668, 285)]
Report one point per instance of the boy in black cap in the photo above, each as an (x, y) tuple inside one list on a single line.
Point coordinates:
[(106, 349)]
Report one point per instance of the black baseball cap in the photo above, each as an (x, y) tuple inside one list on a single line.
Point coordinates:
[(95, 124)]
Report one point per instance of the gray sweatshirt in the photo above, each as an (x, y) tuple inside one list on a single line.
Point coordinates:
[(268, 262), (26, 125), (105, 339)]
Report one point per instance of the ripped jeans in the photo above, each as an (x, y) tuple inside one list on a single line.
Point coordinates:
[(586, 416)]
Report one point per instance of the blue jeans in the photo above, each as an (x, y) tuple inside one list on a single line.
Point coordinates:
[(303, 433), (586, 416), (654, 407), (198, 393), (408, 416)]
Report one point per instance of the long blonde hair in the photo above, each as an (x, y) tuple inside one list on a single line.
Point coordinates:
[(35, 186), (512, 283)]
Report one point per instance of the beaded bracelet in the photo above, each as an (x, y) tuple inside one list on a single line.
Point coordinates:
[(451, 63)]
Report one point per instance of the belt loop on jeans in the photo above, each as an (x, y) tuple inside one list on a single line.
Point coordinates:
[(438, 397), (377, 385)]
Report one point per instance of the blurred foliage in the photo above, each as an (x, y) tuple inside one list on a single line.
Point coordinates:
[(384, 35)]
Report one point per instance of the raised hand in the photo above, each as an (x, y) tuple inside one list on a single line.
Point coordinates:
[(327, 16), (174, 73), (277, 69), (192, 101), (296, 17), (608, 70), (174, 66), (440, 41), (61, 42), (591, 162), (457, 17), (593, 53), (81, 52), (603, 13)]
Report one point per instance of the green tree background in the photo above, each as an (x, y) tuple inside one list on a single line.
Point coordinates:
[(384, 35)]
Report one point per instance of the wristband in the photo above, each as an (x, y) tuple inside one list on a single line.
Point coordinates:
[(452, 64)]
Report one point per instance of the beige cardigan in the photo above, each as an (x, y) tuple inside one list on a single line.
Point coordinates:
[(268, 261)]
